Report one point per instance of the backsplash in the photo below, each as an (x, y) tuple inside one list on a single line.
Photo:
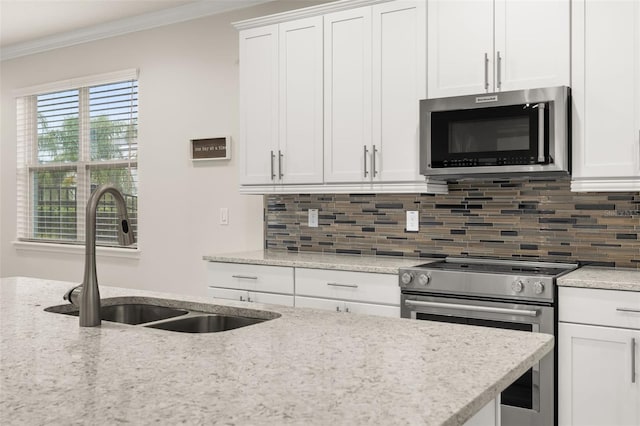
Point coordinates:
[(519, 218)]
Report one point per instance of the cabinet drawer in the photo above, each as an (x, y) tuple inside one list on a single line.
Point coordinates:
[(346, 285), (348, 307), (271, 279), (250, 296), (599, 307)]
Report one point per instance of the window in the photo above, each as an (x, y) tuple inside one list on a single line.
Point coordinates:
[(72, 137)]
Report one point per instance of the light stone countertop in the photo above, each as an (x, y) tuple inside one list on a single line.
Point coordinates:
[(306, 367), (602, 278), (344, 262)]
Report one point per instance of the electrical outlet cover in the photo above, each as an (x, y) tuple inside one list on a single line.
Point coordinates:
[(413, 221), (313, 218)]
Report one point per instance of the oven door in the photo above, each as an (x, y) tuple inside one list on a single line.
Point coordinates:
[(530, 400)]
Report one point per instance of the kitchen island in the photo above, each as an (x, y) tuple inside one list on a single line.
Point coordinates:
[(304, 367)]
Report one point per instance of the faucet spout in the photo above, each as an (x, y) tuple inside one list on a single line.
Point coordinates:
[(90, 295)]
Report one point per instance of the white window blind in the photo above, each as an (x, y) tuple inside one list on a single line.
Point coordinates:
[(70, 141)]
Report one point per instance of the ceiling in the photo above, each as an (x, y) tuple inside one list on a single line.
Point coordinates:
[(23, 21)]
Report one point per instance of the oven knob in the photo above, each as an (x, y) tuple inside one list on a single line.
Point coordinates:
[(538, 287), (517, 286), (406, 277), (424, 279)]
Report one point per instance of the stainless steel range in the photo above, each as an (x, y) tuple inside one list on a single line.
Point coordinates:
[(518, 295)]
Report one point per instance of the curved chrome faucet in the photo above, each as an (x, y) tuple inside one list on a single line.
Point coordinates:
[(90, 295)]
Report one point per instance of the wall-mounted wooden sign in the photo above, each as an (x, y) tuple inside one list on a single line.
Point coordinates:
[(211, 149)]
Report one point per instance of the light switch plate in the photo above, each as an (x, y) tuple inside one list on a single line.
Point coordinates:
[(224, 216), (413, 221), (313, 218)]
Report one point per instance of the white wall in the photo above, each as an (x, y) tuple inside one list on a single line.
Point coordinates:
[(188, 89)]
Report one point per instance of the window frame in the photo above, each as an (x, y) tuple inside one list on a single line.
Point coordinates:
[(28, 161)]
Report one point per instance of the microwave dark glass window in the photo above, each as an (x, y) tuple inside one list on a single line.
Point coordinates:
[(487, 136), (520, 392)]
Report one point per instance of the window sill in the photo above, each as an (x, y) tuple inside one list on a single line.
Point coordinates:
[(77, 249)]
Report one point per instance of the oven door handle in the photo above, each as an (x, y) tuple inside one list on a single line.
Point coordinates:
[(472, 308)]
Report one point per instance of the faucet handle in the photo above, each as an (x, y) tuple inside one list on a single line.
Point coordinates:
[(73, 294)]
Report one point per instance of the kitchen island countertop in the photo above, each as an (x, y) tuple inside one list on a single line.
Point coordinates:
[(305, 367)]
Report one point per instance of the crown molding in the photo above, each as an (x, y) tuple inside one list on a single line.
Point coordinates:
[(145, 21), (306, 12)]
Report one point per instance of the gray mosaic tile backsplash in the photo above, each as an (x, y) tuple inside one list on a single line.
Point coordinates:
[(524, 218)]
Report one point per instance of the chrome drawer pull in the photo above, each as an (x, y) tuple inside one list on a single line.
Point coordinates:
[(472, 308), (635, 311), (343, 285), (244, 277)]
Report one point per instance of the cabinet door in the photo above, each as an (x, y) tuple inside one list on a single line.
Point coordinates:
[(258, 104), (271, 299), (347, 95), (227, 293), (399, 82), (595, 383), (372, 309), (528, 56), (606, 95), (300, 152), (347, 307), (460, 35)]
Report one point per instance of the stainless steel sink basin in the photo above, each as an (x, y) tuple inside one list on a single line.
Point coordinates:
[(134, 313), (206, 323), (161, 314)]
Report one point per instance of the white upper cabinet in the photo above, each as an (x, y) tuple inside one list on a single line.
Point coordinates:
[(281, 103), (300, 136), (606, 95), (347, 95), (258, 104), (496, 45), (399, 82), (460, 47), (532, 47), (330, 99)]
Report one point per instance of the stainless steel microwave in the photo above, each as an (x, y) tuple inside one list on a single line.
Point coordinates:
[(520, 132)]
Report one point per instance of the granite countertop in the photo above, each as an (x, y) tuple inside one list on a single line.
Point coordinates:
[(305, 367), (343, 262), (602, 278)]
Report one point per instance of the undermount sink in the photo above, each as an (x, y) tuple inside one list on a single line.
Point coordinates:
[(195, 318), (206, 323), (134, 313)]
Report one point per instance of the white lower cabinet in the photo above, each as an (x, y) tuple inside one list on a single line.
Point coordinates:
[(250, 296), (598, 380), (348, 307), (347, 291)]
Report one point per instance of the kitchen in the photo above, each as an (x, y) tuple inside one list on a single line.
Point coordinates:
[(183, 67)]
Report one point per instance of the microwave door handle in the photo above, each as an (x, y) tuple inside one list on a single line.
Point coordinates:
[(541, 125)]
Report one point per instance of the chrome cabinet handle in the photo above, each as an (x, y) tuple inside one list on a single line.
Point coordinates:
[(337, 308), (366, 152), (241, 299), (472, 308), (498, 70), (635, 311), (633, 360), (245, 277), (343, 285), (280, 155), (373, 162), (486, 72), (273, 174), (346, 309), (541, 108)]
